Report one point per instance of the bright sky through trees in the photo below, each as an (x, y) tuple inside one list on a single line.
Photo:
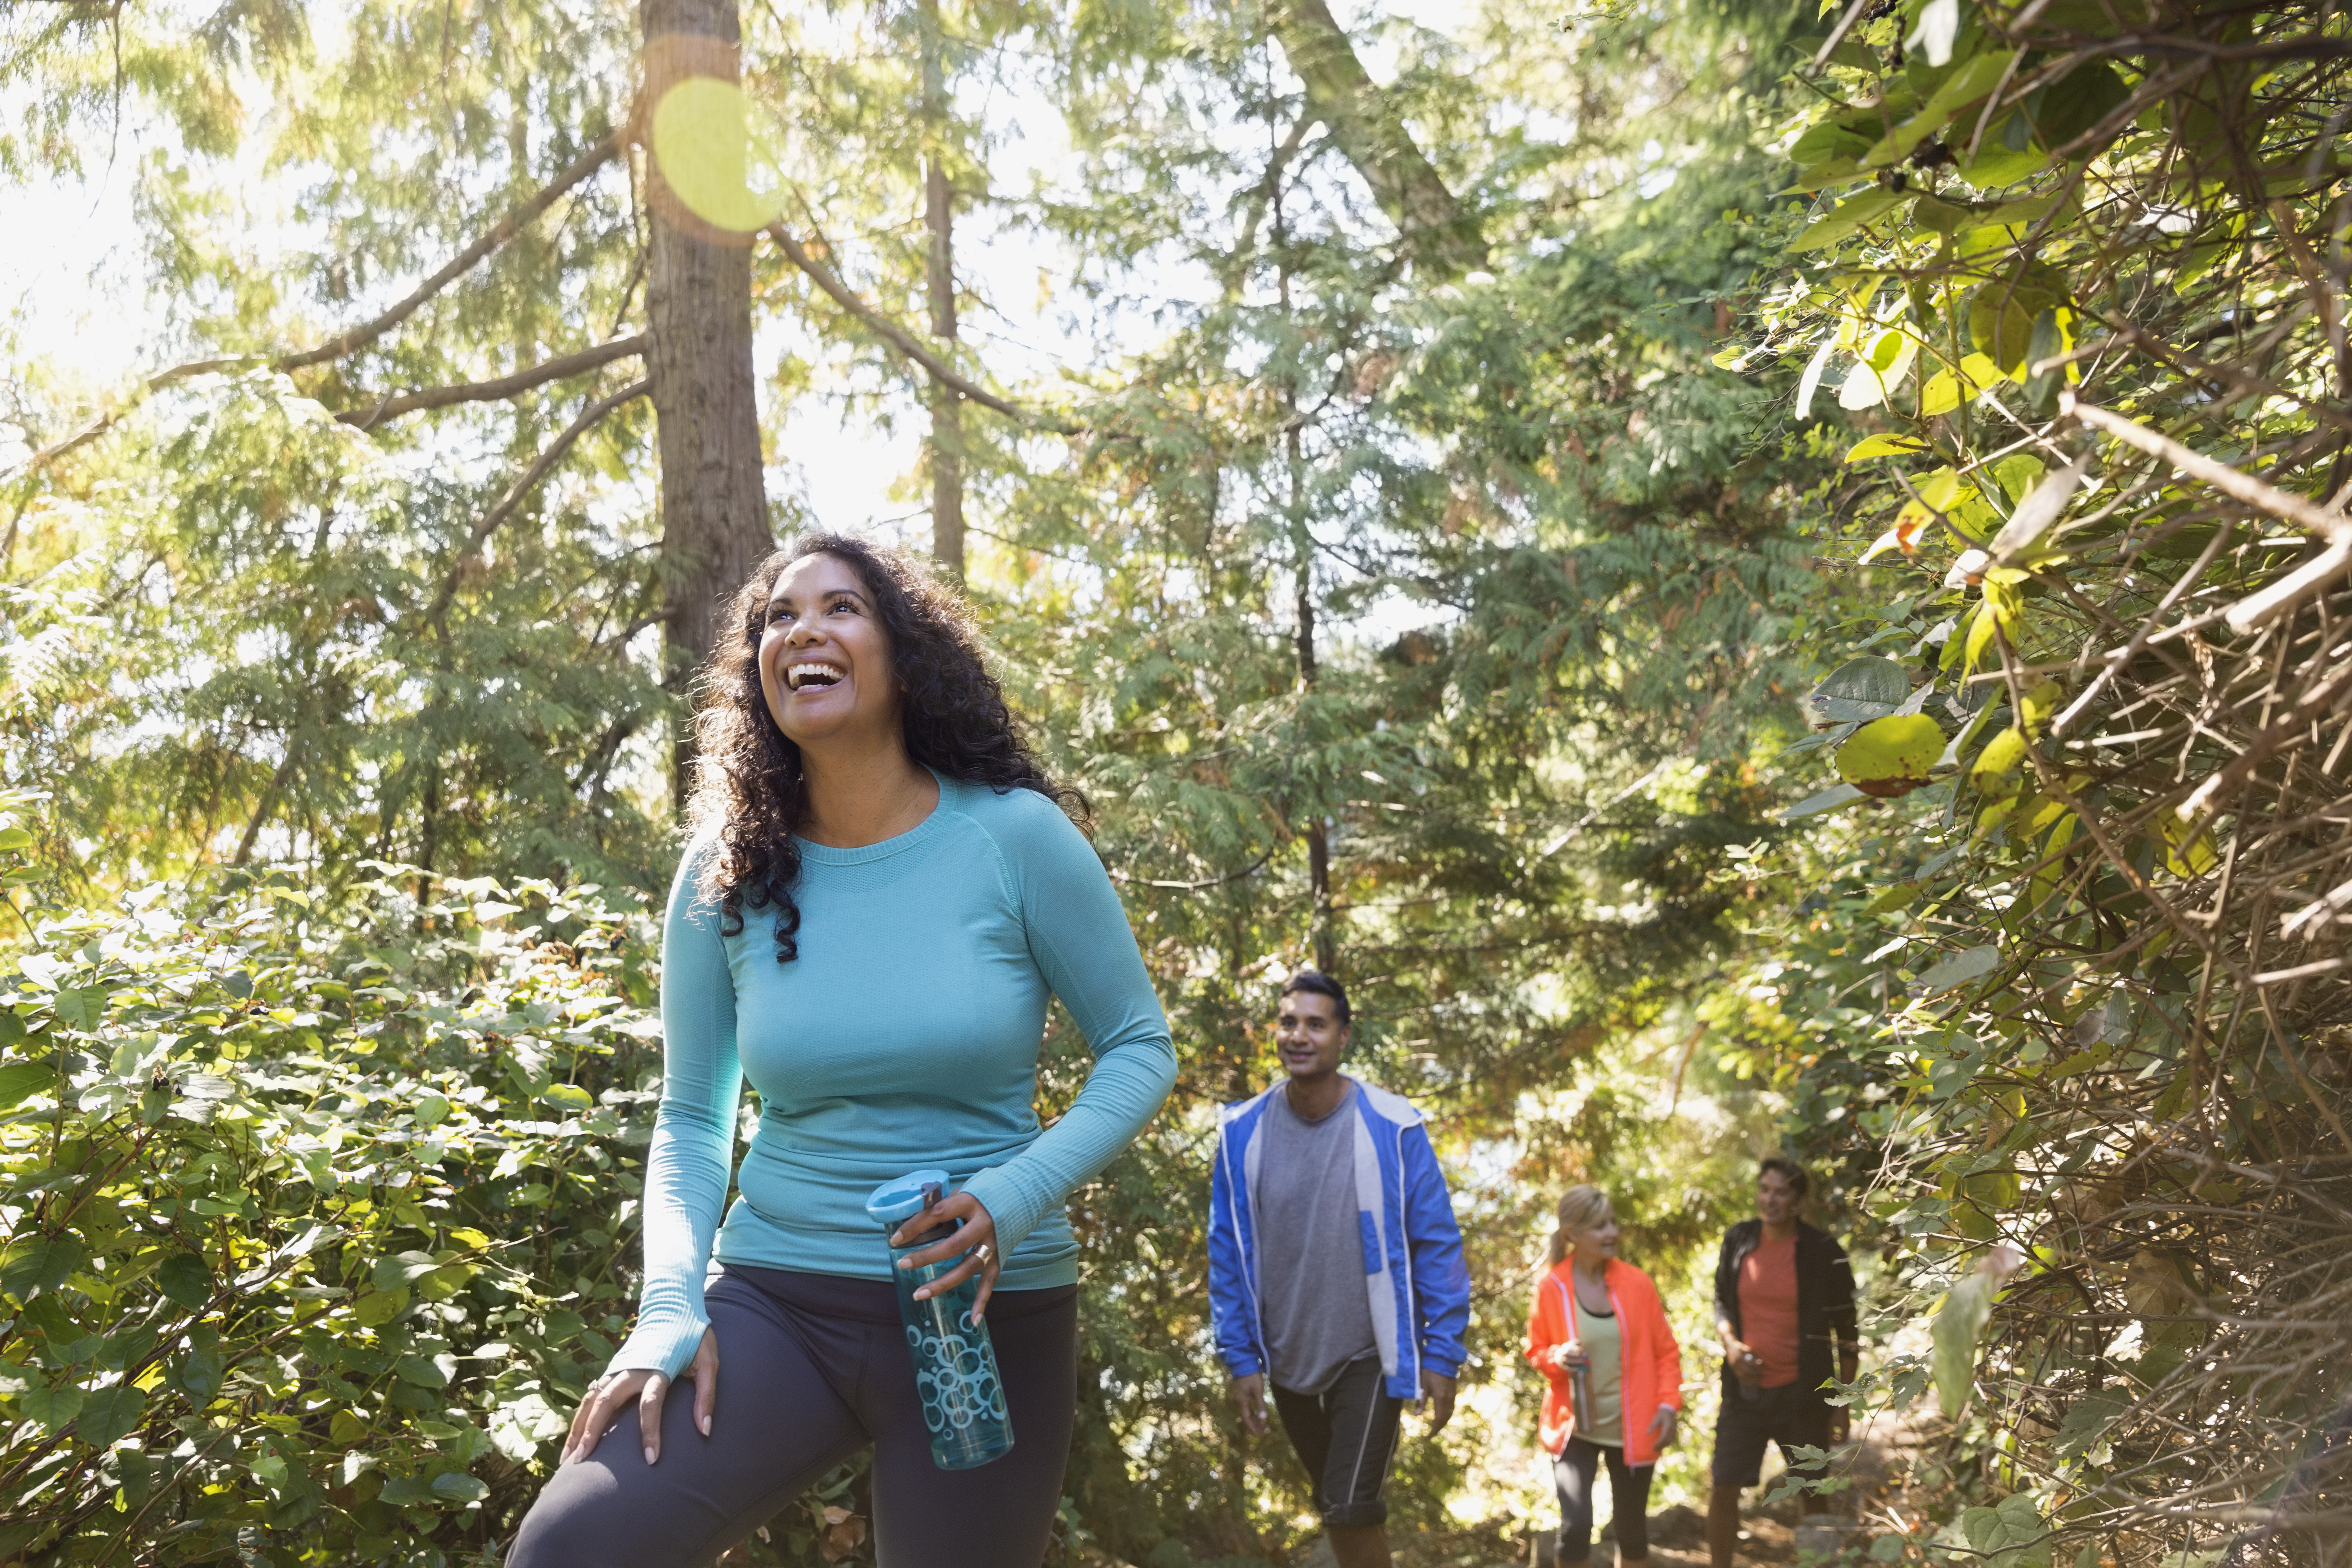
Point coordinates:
[(76, 294)]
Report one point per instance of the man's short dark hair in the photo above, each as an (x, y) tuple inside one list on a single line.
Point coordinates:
[(1322, 984), (1790, 1172)]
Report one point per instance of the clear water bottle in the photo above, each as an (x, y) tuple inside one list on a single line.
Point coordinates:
[(955, 1364)]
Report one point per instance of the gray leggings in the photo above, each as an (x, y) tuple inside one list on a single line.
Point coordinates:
[(814, 1367)]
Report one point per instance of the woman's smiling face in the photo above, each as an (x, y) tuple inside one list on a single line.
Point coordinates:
[(825, 657)]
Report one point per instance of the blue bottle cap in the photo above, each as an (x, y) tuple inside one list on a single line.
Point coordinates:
[(901, 1197)]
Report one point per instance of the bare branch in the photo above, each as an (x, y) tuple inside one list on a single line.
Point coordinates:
[(506, 228), (898, 338), (521, 381), (147, 388), (343, 344), (588, 419), (2332, 526)]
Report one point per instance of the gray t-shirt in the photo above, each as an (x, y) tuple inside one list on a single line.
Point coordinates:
[(1311, 1251)]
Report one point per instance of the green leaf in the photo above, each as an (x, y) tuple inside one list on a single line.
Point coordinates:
[(1884, 446), (568, 1096), (20, 1533), (2002, 755), (52, 1408), (19, 1081), (1958, 1322), (379, 1307), (1891, 757), (42, 1267), (432, 1111), (1828, 140), (1861, 690), (1980, 635), (184, 1279), (400, 1268), (1848, 218), (1939, 217), (2007, 1534), (460, 1487), (199, 1372), (109, 1413), (2019, 475), (421, 1371), (2000, 325), (409, 1491), (2084, 97), (2087, 1418), (1901, 896), (1966, 85), (1960, 968), (1828, 800), (81, 1007)]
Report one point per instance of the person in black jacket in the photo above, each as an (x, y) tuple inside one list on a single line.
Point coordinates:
[(1784, 1310)]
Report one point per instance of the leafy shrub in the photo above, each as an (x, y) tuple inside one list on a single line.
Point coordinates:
[(2083, 281), (316, 1222)]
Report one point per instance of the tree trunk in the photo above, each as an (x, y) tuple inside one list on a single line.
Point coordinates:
[(1318, 829), (939, 217), (699, 313), (1370, 134)]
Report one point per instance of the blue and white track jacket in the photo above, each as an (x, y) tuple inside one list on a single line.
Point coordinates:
[(1413, 1271)]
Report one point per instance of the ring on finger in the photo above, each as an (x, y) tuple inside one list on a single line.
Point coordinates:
[(983, 1252)]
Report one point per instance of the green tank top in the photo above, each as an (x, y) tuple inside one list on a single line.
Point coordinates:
[(1601, 1340)]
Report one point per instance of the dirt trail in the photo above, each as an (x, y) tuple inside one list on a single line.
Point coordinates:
[(1678, 1533)]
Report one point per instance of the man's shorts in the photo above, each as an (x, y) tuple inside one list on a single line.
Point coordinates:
[(1346, 1436), (1789, 1415)]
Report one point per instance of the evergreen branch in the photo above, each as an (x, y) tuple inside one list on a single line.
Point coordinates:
[(506, 228), (588, 419), (358, 337), (1268, 187), (147, 388), (557, 369), (898, 338)]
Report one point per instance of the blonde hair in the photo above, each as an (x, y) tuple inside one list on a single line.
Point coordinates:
[(1582, 1208)]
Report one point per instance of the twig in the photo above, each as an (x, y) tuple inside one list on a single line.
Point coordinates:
[(358, 337), (560, 367), (522, 487), (903, 341)]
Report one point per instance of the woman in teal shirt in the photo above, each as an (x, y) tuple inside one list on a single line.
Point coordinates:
[(880, 895)]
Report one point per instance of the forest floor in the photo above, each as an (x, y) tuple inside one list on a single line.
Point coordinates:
[(1769, 1532)]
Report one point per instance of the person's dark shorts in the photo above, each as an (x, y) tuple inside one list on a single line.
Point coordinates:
[(1790, 1416), (1346, 1436)]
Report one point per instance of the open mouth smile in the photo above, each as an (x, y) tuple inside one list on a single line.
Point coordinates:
[(807, 675)]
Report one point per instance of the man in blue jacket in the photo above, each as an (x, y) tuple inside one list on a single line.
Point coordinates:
[(1335, 1267)]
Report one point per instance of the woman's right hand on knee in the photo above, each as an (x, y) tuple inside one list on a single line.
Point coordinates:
[(615, 1392)]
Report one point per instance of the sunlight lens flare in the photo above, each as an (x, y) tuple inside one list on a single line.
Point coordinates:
[(720, 155)]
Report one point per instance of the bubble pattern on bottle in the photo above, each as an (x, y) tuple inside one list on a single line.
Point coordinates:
[(957, 1381)]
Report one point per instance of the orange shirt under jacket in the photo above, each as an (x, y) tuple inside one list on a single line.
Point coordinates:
[(1653, 1361)]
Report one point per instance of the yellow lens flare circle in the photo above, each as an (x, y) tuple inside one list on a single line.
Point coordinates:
[(720, 155)]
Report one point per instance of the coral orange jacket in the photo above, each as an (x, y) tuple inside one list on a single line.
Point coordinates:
[(1653, 1361)]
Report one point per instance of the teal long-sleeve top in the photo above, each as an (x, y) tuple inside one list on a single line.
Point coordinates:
[(906, 1035)]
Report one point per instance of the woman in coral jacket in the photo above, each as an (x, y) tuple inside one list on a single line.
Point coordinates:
[(1594, 1310)]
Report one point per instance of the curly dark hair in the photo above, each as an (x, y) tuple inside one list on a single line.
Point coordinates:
[(748, 786)]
